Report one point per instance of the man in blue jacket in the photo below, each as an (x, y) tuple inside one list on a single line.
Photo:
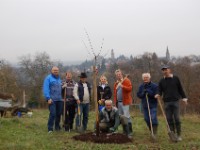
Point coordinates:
[(149, 89), (52, 93)]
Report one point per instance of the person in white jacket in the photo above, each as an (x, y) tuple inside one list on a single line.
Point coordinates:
[(82, 94)]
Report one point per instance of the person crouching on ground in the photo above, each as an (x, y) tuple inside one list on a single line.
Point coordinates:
[(109, 118), (148, 90), (103, 92)]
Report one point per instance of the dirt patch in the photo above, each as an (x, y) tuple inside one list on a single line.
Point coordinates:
[(116, 138)]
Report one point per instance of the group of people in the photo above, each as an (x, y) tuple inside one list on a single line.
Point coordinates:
[(66, 95), (171, 91), (112, 113)]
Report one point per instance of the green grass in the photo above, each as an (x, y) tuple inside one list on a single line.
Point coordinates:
[(31, 133)]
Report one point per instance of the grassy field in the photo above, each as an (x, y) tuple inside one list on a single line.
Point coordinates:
[(31, 133)]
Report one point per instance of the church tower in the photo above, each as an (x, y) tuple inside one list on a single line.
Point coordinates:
[(167, 54), (112, 55)]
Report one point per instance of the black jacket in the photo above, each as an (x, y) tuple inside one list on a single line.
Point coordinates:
[(107, 93), (171, 89)]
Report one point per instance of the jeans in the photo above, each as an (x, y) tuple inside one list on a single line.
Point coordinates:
[(124, 110), (172, 111), (55, 109), (153, 113), (84, 111)]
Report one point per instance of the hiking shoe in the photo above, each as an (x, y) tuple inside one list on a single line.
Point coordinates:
[(50, 132), (179, 138)]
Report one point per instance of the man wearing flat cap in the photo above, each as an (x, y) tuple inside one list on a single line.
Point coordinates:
[(82, 94), (171, 89)]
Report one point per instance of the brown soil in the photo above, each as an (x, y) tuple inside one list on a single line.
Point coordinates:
[(116, 138)]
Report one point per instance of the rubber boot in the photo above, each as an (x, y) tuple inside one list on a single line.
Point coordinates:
[(71, 126), (130, 129), (126, 130), (155, 128), (171, 126), (178, 130)]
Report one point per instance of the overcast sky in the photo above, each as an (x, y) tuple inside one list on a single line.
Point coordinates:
[(127, 26)]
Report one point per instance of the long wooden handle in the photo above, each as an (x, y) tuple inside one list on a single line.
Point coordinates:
[(149, 114), (79, 111), (101, 93), (121, 81), (64, 109), (159, 102)]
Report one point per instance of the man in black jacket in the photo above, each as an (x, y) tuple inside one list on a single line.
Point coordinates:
[(171, 89)]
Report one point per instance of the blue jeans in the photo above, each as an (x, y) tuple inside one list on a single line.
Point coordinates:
[(55, 109), (100, 107), (84, 111), (153, 112)]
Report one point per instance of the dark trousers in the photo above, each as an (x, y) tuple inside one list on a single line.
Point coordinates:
[(105, 126), (172, 111), (70, 114), (55, 109), (84, 111)]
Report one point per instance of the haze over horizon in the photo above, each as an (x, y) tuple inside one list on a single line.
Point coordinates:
[(130, 27)]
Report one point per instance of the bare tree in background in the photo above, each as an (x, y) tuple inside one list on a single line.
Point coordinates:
[(8, 79), (33, 71)]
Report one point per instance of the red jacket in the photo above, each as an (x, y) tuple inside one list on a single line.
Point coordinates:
[(126, 92)]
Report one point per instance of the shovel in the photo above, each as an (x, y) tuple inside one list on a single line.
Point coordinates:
[(151, 127), (79, 127), (68, 125), (171, 134), (64, 110), (101, 105)]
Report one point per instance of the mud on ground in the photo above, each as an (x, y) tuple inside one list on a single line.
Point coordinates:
[(116, 138)]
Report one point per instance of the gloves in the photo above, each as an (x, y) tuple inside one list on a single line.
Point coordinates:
[(157, 96), (100, 102), (64, 85), (185, 100), (144, 91), (112, 129)]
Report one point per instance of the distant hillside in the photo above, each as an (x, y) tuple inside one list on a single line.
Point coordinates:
[(75, 62)]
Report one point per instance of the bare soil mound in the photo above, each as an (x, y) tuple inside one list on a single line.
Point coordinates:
[(116, 138)]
